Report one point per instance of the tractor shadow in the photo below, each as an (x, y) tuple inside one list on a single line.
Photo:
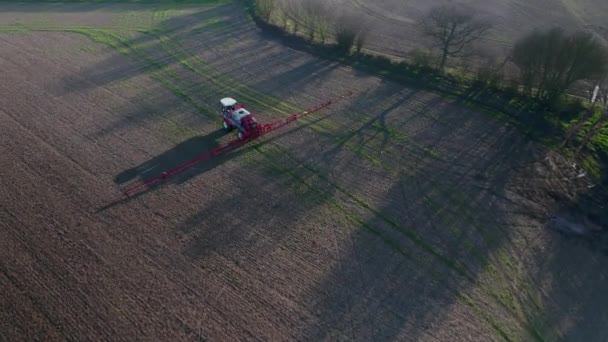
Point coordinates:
[(178, 155), (184, 152)]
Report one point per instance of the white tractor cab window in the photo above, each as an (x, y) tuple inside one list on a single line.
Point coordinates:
[(228, 104), (240, 114)]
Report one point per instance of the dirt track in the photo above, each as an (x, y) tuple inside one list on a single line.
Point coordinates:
[(395, 215)]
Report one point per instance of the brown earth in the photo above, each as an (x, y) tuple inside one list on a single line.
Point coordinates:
[(398, 214)]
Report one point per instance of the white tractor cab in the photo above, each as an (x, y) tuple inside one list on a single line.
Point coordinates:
[(234, 115)]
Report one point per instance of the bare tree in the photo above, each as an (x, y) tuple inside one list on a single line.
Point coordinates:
[(314, 18), (452, 30), (292, 11), (323, 25), (346, 32), (265, 8), (491, 71), (362, 35), (529, 60), (552, 61), (283, 16)]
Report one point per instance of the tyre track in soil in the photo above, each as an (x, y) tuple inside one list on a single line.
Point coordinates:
[(154, 68), (477, 225)]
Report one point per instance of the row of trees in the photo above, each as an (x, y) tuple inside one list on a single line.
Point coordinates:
[(549, 62), (317, 20)]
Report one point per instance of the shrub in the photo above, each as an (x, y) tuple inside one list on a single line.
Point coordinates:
[(488, 76), (346, 33), (550, 62), (421, 60), (264, 8)]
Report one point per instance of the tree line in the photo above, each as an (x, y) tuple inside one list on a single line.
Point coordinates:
[(549, 62), (317, 20)]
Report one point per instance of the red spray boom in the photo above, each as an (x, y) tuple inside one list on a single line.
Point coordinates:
[(253, 132)]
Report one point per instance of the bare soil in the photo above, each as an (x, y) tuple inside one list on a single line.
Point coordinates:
[(398, 214)]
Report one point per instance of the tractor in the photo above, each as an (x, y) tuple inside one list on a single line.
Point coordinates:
[(234, 115)]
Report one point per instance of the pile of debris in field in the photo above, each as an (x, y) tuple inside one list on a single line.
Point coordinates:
[(575, 204)]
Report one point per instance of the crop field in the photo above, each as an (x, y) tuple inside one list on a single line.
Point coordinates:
[(394, 23), (397, 214)]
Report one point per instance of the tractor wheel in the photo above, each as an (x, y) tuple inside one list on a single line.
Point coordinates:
[(226, 127)]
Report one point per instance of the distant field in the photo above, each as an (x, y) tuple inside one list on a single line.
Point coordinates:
[(399, 214), (394, 22)]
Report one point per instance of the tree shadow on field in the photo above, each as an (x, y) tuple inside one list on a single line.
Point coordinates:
[(391, 286), (295, 79), (573, 267), (253, 231), (374, 124), (145, 50), (576, 274), (577, 305), (443, 221)]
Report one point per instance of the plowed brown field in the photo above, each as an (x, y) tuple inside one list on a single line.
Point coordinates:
[(396, 215)]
